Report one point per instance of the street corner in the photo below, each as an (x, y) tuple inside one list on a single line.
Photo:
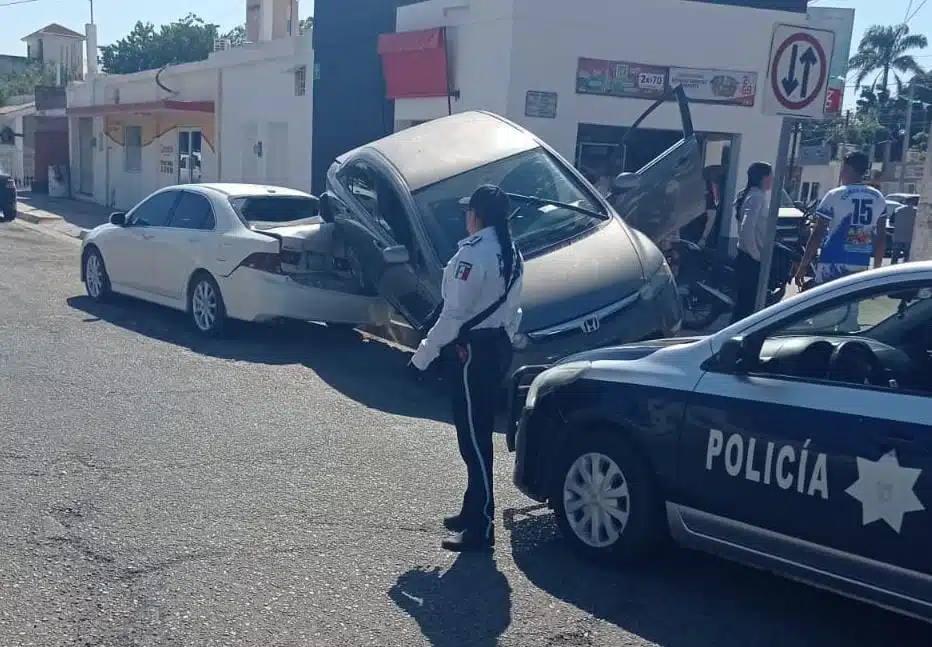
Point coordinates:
[(50, 221)]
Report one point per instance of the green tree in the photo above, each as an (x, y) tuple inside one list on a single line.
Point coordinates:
[(886, 51), (25, 82), (145, 48)]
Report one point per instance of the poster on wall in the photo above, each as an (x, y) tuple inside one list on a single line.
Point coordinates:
[(540, 104), (620, 79), (724, 87)]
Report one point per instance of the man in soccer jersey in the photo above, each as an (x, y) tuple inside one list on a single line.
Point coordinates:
[(850, 227)]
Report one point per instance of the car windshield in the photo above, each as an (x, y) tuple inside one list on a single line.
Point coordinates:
[(859, 317), (259, 210), (535, 226)]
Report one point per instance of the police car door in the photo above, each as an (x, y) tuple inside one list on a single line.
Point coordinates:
[(830, 474), (669, 191)]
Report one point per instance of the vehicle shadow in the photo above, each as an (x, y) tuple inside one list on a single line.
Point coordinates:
[(468, 605), (687, 599), (363, 369)]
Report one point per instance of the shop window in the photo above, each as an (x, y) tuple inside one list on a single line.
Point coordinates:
[(132, 149), (300, 81)]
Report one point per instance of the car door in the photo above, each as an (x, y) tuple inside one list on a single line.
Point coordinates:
[(185, 245), (380, 217), (130, 257), (669, 191), (824, 471)]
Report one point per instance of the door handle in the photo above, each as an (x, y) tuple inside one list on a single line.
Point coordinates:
[(148, 236), (192, 239)]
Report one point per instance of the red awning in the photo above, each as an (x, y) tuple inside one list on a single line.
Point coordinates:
[(166, 105), (414, 64)]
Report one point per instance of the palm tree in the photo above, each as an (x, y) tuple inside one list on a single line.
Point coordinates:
[(885, 50)]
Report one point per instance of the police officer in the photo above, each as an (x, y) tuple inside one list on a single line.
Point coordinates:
[(478, 318)]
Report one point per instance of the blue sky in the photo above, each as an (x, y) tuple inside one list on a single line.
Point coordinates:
[(115, 18)]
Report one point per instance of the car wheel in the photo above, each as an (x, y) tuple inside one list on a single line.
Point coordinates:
[(96, 279), (205, 305), (606, 502)]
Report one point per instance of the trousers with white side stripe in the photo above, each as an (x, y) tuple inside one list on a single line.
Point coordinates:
[(476, 371)]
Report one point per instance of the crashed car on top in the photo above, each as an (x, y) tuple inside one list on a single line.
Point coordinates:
[(593, 277)]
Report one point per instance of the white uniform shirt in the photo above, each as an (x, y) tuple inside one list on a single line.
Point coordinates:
[(473, 280), (752, 230)]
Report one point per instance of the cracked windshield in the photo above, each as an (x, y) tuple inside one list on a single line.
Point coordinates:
[(419, 323)]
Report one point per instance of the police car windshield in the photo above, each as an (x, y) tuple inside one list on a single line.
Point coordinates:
[(550, 205)]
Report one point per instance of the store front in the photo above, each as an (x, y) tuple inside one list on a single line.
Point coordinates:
[(614, 61)]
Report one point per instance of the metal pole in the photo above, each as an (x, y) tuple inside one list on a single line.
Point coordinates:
[(766, 259), (92, 12), (797, 128), (906, 137)]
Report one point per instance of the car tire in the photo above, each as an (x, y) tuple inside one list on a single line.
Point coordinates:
[(205, 305), (637, 523), (96, 279)]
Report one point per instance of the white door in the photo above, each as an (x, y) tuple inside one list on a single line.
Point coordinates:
[(189, 155), (130, 258), (86, 155), (250, 156), (186, 244), (276, 158)]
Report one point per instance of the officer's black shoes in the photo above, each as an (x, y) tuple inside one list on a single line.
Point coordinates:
[(470, 541), (455, 523)]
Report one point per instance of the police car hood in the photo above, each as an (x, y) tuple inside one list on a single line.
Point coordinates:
[(630, 351), (580, 277)]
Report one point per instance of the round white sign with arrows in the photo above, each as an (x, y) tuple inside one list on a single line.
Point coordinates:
[(800, 60)]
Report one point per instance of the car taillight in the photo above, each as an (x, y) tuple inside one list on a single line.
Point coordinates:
[(264, 262)]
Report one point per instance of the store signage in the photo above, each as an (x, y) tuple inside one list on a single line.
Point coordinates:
[(833, 100), (724, 87), (798, 6), (540, 104), (621, 79), (818, 155)]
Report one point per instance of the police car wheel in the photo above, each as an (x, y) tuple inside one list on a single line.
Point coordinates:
[(607, 502)]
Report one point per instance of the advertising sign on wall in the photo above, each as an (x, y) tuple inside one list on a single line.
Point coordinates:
[(716, 86), (620, 79), (540, 104)]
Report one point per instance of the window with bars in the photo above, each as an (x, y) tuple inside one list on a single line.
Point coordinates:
[(300, 81)]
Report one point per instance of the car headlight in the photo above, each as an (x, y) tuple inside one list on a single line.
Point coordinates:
[(554, 377), (656, 283), (520, 341)]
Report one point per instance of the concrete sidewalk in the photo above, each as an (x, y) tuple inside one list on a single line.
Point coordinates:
[(72, 217)]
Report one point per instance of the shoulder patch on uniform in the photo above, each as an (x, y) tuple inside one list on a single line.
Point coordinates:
[(472, 240), (462, 271)]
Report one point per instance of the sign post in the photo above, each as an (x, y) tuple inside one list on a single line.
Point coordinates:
[(796, 88)]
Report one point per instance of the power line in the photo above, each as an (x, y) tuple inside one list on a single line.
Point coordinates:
[(14, 2), (915, 11)]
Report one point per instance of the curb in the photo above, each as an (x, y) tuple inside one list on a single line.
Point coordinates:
[(50, 219)]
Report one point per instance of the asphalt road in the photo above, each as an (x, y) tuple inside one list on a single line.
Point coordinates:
[(285, 487)]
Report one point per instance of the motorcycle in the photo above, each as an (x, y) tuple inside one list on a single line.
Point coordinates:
[(706, 281)]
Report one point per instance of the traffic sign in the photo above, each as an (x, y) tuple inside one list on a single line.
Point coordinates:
[(798, 72)]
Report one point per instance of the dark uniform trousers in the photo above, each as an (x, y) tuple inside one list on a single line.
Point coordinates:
[(476, 368)]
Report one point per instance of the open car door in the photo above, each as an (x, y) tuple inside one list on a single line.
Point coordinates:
[(669, 191)]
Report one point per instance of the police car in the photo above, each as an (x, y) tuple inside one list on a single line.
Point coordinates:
[(798, 440)]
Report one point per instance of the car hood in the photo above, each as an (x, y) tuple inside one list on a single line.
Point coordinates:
[(630, 351), (589, 273)]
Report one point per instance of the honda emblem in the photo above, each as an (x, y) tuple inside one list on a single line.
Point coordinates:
[(590, 325)]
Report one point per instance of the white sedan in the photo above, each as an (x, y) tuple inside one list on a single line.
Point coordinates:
[(219, 251)]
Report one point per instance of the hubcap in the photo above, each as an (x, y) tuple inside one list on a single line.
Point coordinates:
[(204, 306), (596, 500), (93, 276)]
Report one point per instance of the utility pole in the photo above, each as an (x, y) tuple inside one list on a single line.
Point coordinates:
[(906, 136), (92, 11)]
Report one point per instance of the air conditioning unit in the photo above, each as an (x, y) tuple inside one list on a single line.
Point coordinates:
[(221, 44)]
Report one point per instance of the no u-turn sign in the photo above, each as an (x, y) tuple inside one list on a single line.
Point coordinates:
[(798, 71)]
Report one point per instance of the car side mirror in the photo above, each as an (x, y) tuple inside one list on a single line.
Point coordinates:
[(325, 208), (118, 218), (731, 355), (625, 182), (396, 255)]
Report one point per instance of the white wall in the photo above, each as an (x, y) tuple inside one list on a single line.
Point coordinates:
[(259, 104), (504, 48), (60, 50)]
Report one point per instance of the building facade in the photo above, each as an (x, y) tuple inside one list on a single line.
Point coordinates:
[(242, 115), (578, 75)]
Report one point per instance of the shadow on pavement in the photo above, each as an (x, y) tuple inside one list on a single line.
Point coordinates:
[(468, 605), (687, 599), (365, 370), (85, 215)]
